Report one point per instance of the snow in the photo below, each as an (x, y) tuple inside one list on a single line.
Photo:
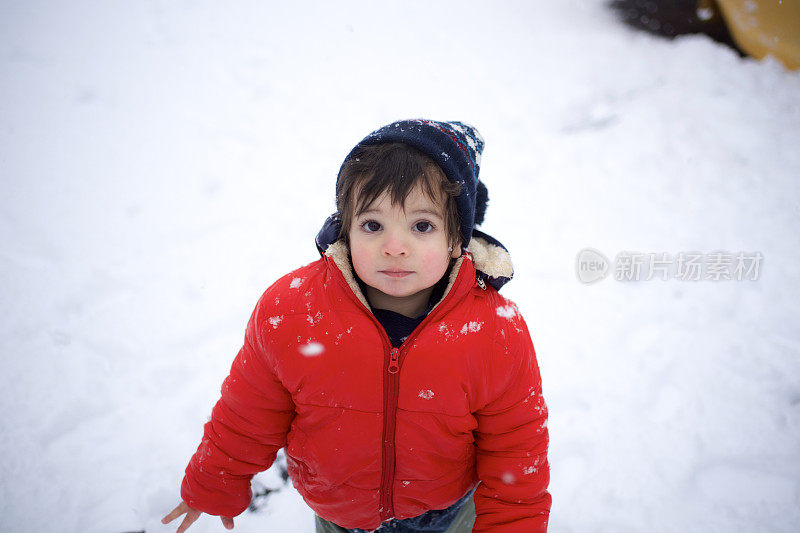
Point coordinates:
[(311, 349), (163, 163), (506, 311), (471, 327), (314, 319)]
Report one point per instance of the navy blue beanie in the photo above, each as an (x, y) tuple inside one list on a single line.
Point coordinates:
[(454, 146)]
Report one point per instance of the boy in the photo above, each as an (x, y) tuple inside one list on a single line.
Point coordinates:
[(397, 378)]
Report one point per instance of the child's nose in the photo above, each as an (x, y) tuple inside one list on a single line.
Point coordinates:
[(395, 244)]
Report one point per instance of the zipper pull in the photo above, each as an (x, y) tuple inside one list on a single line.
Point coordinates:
[(481, 283), (394, 364)]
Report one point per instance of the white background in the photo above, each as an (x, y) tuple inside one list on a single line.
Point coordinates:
[(162, 163)]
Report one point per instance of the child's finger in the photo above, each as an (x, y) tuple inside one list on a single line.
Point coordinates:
[(188, 521), (227, 521), (175, 513)]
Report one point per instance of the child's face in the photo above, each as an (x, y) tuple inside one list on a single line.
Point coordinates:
[(400, 253)]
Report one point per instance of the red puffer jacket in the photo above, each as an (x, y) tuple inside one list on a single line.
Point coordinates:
[(374, 432)]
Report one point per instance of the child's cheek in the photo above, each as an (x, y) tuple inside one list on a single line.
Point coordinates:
[(436, 263), (359, 259)]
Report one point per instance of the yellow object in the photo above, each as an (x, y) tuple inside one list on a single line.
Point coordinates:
[(765, 27)]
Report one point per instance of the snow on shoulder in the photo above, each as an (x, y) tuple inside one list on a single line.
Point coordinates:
[(507, 311)]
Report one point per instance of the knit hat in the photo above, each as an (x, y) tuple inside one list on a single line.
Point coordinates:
[(456, 148)]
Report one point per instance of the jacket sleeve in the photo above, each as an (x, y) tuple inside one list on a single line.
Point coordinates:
[(248, 426), (512, 440)]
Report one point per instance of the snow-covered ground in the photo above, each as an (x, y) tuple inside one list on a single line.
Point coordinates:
[(161, 163)]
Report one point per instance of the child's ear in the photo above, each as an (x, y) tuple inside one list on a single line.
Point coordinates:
[(455, 251)]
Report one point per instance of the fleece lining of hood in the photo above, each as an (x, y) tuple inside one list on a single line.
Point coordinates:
[(491, 259)]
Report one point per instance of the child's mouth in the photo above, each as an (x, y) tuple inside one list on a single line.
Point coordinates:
[(396, 273)]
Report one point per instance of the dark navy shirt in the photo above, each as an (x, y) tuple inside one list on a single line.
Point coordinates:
[(398, 327)]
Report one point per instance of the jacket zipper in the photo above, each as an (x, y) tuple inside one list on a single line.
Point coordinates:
[(391, 393)]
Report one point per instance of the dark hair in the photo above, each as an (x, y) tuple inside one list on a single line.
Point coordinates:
[(397, 168)]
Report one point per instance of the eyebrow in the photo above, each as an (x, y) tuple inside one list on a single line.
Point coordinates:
[(426, 211), (422, 211)]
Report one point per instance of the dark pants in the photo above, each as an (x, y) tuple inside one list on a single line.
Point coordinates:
[(463, 522)]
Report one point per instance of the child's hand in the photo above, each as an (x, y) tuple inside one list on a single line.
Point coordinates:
[(191, 516)]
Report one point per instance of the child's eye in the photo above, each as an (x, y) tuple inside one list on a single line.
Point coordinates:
[(424, 226), (370, 226)]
